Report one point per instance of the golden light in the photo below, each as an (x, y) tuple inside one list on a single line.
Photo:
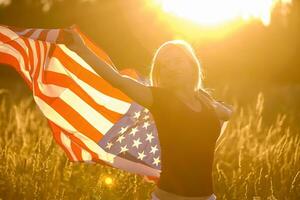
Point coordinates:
[(216, 12), (108, 181)]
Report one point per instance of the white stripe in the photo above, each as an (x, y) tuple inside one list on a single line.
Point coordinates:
[(52, 115), (8, 33), (86, 111), (23, 45), (34, 53), (135, 167), (36, 34), (86, 156), (24, 32), (67, 143), (50, 90), (111, 159), (77, 58), (52, 35), (108, 102), (41, 59), (7, 49)]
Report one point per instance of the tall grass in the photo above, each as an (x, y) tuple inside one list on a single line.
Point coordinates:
[(253, 160)]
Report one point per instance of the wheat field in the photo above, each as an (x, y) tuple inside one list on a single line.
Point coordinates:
[(254, 160)]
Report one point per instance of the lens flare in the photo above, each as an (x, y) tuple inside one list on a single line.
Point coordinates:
[(216, 12), (108, 181)]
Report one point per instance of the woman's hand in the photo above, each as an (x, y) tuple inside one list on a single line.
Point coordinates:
[(224, 111), (73, 40)]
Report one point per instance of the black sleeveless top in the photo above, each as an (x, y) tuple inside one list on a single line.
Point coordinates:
[(187, 141)]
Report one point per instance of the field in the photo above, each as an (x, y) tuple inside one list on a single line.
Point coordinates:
[(254, 159)]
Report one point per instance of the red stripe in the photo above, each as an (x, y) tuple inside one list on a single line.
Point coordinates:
[(19, 48), (88, 77), (4, 38), (38, 55), (30, 54), (66, 82), (49, 77), (12, 61), (99, 52), (29, 33), (14, 29), (69, 114), (56, 130), (95, 156), (76, 150), (43, 35)]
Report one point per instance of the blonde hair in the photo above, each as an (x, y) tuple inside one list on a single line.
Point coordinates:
[(189, 53)]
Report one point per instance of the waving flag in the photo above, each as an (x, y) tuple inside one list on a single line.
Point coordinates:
[(91, 120)]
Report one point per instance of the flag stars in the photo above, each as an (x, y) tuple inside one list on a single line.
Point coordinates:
[(136, 143), (137, 115), (146, 124), (141, 155), (133, 131), (120, 138), (123, 129), (123, 149), (156, 161), (154, 149), (149, 137), (146, 117), (146, 110), (109, 145)]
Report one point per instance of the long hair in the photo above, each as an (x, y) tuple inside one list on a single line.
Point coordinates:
[(188, 52), (198, 75)]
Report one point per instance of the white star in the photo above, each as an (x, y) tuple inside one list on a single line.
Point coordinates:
[(153, 149), (133, 131), (123, 129), (146, 124), (156, 161), (141, 155), (108, 145), (120, 138), (146, 110), (137, 115), (149, 137), (124, 149), (146, 117), (136, 143)]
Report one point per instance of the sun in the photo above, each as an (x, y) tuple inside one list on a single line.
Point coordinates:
[(217, 12)]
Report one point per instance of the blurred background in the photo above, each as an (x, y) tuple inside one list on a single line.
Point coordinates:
[(250, 54), (241, 53)]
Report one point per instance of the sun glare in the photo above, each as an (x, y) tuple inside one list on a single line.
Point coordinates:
[(108, 181), (216, 12)]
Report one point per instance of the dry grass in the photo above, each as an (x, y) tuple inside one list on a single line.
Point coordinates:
[(253, 160)]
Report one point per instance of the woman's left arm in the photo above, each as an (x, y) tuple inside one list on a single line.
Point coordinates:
[(135, 90)]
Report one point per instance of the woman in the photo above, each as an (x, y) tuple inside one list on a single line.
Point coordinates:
[(180, 106)]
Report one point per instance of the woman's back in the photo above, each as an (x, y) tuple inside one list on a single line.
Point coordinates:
[(187, 140)]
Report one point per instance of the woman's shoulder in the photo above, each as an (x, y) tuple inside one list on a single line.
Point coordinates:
[(160, 97), (223, 110)]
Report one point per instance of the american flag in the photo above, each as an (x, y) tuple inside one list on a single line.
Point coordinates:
[(91, 120)]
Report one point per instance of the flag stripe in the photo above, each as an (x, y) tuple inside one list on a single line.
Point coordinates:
[(108, 102), (81, 107), (65, 82), (88, 77)]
